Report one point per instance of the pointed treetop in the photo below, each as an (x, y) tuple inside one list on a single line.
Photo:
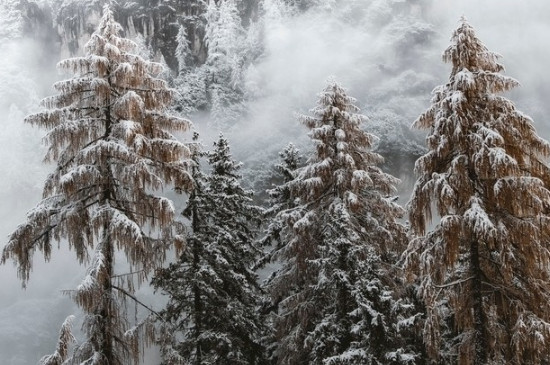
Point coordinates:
[(221, 160), (334, 97), (222, 146), (107, 40), (466, 51), (107, 24), (290, 156)]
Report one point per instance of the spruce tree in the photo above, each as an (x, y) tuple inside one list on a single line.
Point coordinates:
[(334, 290), (280, 199), (211, 316), (486, 177), (110, 137)]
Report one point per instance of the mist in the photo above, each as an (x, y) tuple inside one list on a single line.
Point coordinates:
[(302, 51)]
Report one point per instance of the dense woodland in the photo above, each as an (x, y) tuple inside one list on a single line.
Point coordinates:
[(312, 259)]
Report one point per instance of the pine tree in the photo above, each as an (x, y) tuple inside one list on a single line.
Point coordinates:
[(110, 137), (486, 177), (334, 291), (213, 294)]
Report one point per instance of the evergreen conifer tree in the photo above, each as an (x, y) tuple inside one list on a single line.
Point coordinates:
[(225, 38), (183, 52), (213, 294), (110, 137), (334, 291), (280, 197), (486, 176)]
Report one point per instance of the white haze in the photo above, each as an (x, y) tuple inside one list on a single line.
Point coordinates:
[(301, 53)]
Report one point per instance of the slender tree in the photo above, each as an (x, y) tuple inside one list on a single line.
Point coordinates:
[(110, 137), (280, 199), (225, 38), (486, 177), (334, 292), (211, 315), (183, 51)]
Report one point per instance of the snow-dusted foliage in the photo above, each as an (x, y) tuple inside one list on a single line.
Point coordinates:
[(191, 86), (226, 41), (211, 316), (334, 292), (486, 176), (216, 85), (110, 137), (66, 339), (280, 197), (183, 52), (11, 20)]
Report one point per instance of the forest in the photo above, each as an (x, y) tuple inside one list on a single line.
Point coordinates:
[(271, 182)]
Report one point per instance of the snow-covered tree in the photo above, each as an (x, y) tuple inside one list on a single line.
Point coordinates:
[(334, 289), (191, 80), (226, 39), (191, 91), (183, 52), (280, 197), (110, 137), (211, 316), (486, 177)]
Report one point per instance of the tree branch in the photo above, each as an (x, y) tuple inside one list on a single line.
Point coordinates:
[(456, 282), (133, 297)]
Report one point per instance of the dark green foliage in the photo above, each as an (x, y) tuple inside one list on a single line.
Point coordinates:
[(211, 315)]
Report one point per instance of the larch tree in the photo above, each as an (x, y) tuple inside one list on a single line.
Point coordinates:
[(486, 179), (334, 291), (111, 138), (212, 313), (65, 340)]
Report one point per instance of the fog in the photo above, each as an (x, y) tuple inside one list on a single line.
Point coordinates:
[(302, 52)]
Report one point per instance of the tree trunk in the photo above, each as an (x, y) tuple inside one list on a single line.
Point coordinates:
[(106, 345), (344, 300), (196, 290), (107, 250), (480, 322), (198, 306)]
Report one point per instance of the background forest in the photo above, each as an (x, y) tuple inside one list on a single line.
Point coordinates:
[(244, 71)]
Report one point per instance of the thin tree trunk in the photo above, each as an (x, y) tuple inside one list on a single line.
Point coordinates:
[(198, 307), (344, 300), (196, 291), (106, 346), (480, 325), (107, 251)]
